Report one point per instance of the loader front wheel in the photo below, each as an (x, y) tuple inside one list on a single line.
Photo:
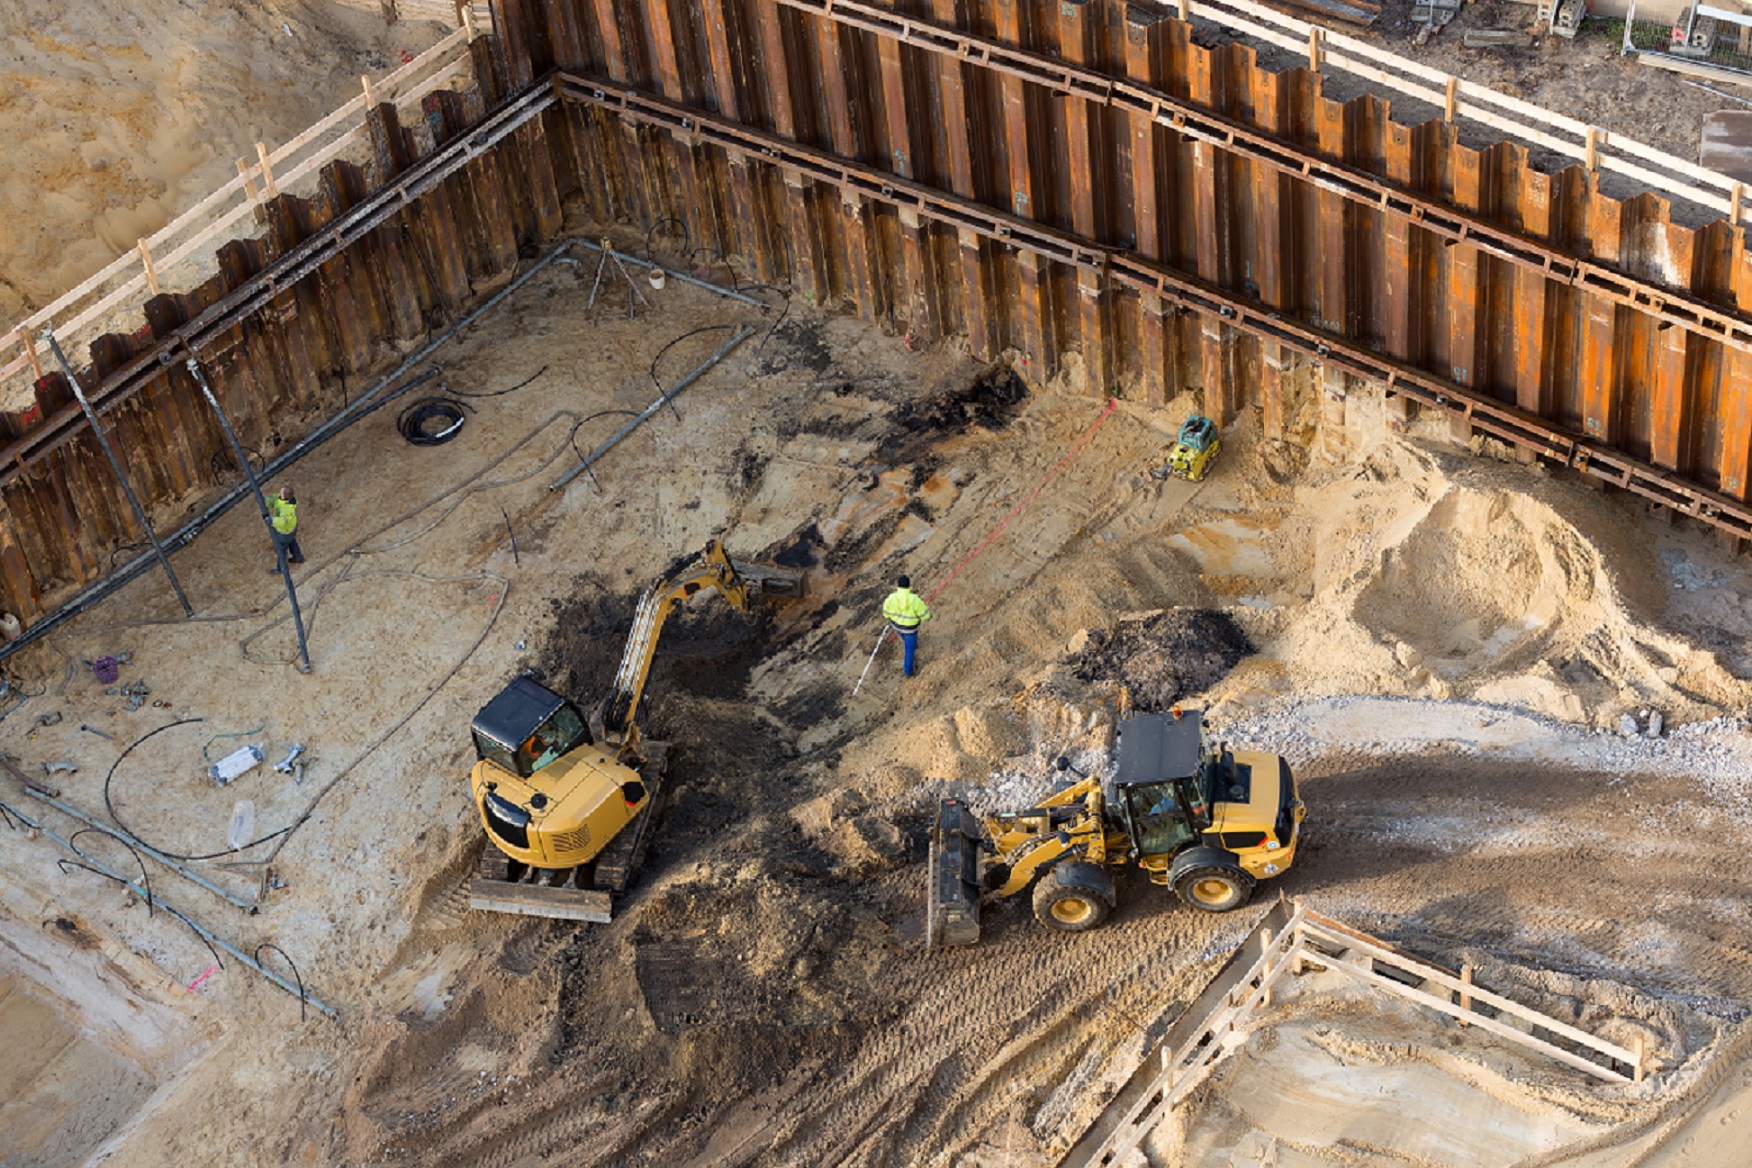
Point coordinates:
[(1067, 909), (1214, 889)]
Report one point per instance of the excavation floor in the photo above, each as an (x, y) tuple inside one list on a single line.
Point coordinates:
[(1446, 647)]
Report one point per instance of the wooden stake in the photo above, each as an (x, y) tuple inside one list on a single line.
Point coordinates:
[(1465, 998), (1595, 137), (370, 93), (267, 171), (1186, 10), (468, 22), (1265, 974), (249, 187), (1452, 105), (146, 262), (1314, 48), (30, 354), (1637, 1074), (1735, 197)]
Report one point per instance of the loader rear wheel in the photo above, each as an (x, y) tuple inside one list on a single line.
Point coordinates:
[(1067, 909), (1214, 889)]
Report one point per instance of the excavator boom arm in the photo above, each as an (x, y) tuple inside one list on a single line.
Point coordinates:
[(712, 568)]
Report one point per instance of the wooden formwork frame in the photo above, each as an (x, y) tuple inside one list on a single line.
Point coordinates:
[(1288, 938)]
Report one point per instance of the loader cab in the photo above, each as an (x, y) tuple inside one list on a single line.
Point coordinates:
[(527, 727), (1168, 771)]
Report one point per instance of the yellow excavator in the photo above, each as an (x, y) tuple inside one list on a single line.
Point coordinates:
[(567, 804), (1197, 817)]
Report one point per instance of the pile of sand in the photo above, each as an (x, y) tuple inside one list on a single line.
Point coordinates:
[(127, 115)]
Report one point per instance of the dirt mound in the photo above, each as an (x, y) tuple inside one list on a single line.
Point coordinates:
[(1170, 656)]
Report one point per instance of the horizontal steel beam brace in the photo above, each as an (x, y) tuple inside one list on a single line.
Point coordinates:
[(250, 297), (1130, 270), (1666, 305)]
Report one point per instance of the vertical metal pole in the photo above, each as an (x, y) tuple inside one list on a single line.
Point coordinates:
[(261, 502), (115, 465)]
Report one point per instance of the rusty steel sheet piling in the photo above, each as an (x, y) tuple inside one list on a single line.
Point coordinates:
[(1091, 187)]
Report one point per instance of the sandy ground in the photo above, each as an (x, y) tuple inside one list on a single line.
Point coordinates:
[(1462, 656), (123, 115)]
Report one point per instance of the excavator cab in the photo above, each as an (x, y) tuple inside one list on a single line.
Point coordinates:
[(527, 727), (564, 803)]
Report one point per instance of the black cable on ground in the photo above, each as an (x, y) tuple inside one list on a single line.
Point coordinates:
[(497, 392), (686, 237), (432, 421), (65, 864), (735, 285), (708, 328), (303, 996), (145, 876), (109, 804)]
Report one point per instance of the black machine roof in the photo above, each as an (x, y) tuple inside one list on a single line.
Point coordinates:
[(1158, 746), (513, 715)]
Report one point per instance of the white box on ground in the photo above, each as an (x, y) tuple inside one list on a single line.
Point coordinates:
[(236, 763)]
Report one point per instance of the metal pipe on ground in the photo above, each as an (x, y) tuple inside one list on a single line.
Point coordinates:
[(193, 877), (116, 465), (205, 933), (194, 367), (672, 273), (360, 407), (742, 334)]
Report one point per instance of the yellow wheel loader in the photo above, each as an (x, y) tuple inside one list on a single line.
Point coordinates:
[(1205, 821), (567, 805)]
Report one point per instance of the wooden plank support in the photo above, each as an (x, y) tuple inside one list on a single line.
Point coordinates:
[(694, 207), (972, 291), (621, 138)]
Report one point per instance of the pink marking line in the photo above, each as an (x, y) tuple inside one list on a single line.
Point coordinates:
[(196, 984), (1112, 404)]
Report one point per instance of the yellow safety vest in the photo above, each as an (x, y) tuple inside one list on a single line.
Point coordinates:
[(904, 609), (285, 516)]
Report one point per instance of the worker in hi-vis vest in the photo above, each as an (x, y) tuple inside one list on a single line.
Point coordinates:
[(906, 611), (283, 512)]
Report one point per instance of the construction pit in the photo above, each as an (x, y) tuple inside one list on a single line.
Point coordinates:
[(1516, 705)]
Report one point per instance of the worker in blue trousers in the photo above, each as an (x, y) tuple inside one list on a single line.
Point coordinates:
[(906, 611), (283, 514)]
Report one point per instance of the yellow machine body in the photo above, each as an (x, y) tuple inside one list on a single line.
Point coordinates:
[(1208, 822), (575, 806)]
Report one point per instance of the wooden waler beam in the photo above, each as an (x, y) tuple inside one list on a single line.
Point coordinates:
[(1501, 420)]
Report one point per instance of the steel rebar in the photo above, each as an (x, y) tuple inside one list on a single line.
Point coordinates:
[(255, 485), (742, 334), (116, 465)]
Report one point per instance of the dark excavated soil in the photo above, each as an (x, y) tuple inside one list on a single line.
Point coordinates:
[(1171, 656)]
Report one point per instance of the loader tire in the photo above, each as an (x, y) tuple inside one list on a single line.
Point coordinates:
[(1067, 908), (1214, 888)]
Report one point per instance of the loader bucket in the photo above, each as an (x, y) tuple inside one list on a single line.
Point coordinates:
[(952, 894)]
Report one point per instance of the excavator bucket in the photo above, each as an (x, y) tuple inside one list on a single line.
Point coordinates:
[(773, 583), (953, 894)]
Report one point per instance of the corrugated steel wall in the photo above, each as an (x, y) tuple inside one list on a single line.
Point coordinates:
[(1080, 182), (1110, 124)]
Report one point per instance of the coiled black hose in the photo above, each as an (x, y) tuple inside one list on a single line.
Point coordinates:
[(432, 421)]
